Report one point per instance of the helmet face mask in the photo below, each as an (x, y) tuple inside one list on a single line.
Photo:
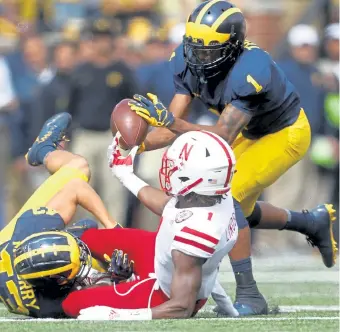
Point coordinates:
[(165, 172), (198, 162), (209, 61), (215, 33)]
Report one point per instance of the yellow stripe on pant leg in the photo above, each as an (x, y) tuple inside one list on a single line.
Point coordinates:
[(43, 195)]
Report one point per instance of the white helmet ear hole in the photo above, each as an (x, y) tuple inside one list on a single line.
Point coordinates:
[(207, 153)]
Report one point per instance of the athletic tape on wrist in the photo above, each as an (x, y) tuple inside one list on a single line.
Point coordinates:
[(133, 183)]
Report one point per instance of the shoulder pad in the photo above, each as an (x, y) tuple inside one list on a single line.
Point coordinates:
[(176, 60), (251, 73)]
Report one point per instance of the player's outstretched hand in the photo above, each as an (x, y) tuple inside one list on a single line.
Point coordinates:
[(152, 110), (108, 313), (120, 166), (120, 267), (96, 313)]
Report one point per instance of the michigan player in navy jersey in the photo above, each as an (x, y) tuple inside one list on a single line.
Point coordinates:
[(39, 262), (259, 115)]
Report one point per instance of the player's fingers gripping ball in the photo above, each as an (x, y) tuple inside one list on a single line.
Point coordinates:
[(152, 110)]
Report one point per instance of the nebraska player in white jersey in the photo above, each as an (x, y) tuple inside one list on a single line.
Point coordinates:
[(197, 230)]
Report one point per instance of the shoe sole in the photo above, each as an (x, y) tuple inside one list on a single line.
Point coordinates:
[(332, 217)]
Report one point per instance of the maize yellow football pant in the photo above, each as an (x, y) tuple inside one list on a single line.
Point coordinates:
[(43, 195), (259, 163)]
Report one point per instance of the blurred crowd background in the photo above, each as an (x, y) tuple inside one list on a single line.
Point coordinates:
[(84, 56)]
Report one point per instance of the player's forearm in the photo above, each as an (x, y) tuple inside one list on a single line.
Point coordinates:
[(154, 199), (172, 310), (181, 126), (158, 139)]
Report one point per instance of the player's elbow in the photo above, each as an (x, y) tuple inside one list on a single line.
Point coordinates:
[(223, 132), (183, 310)]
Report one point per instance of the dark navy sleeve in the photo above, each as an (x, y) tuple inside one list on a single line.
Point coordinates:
[(29, 223), (177, 66), (250, 80)]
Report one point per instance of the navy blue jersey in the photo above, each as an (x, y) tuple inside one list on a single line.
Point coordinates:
[(254, 85), (17, 295)]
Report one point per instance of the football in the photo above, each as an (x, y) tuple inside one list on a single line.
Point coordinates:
[(132, 127)]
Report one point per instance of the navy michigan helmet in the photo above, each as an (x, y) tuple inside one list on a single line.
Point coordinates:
[(214, 37), (52, 258)]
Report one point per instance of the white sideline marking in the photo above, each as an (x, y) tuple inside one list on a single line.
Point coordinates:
[(271, 318), (289, 308), (209, 309), (20, 320)]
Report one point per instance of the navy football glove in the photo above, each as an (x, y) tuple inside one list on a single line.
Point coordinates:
[(120, 267)]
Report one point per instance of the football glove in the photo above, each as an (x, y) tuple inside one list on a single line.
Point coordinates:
[(152, 110), (140, 150), (108, 313), (120, 267), (120, 166)]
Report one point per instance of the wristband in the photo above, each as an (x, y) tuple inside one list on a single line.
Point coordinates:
[(133, 183)]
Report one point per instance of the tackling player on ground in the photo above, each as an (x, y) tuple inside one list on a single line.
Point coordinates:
[(40, 264), (260, 116), (197, 230)]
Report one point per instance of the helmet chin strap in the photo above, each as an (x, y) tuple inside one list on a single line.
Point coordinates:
[(202, 77)]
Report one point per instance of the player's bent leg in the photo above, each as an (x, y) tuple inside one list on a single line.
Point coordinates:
[(249, 300), (279, 152), (316, 224), (130, 295), (139, 244)]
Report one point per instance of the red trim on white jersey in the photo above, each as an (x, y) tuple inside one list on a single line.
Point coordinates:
[(200, 234), (226, 152), (194, 244)]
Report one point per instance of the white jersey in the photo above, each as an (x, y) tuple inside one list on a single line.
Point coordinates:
[(206, 232)]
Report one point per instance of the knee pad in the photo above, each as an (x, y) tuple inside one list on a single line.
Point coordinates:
[(240, 218), (255, 217)]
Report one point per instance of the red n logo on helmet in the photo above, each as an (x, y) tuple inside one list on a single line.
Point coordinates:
[(185, 151)]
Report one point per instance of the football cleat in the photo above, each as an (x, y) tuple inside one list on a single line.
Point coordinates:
[(247, 305), (52, 133), (321, 235), (249, 301)]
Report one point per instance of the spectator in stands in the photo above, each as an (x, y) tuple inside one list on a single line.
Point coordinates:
[(97, 86), (54, 97), (296, 188), (125, 10), (8, 105), (325, 149), (300, 69)]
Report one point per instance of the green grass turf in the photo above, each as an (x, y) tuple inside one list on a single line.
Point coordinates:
[(277, 294), (301, 322)]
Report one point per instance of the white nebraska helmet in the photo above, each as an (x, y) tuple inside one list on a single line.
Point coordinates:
[(199, 162)]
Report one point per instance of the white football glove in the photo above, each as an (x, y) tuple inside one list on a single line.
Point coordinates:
[(108, 313), (97, 313), (120, 166), (224, 306)]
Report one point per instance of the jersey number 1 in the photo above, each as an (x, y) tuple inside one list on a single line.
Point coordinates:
[(257, 86)]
